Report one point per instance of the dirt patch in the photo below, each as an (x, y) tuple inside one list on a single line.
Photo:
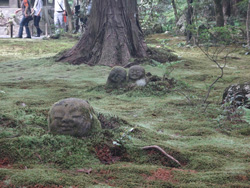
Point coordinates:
[(4, 185), (48, 186), (5, 163), (166, 175), (107, 174), (109, 154), (242, 178), (161, 174)]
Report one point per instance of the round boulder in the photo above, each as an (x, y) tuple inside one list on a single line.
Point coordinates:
[(74, 117)]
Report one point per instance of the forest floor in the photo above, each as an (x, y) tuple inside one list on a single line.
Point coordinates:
[(211, 144)]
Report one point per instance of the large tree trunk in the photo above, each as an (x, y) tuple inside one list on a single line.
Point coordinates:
[(234, 8), (69, 16), (226, 10), (175, 11), (189, 20), (219, 13), (247, 24), (112, 37)]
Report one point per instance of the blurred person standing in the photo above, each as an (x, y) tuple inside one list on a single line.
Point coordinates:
[(58, 15), (37, 9), (26, 11)]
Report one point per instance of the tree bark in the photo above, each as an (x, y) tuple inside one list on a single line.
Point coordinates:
[(247, 24), (69, 16), (113, 35), (226, 4), (219, 13), (189, 16), (234, 9), (175, 11)]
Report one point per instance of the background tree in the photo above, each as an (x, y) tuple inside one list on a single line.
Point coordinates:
[(189, 17), (175, 11), (219, 13), (69, 16), (226, 4), (247, 24), (113, 35), (234, 7)]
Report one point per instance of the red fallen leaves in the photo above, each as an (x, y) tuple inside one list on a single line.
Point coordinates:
[(5, 163), (165, 175), (242, 178), (49, 186), (161, 174), (108, 177), (104, 154), (2, 185), (44, 186)]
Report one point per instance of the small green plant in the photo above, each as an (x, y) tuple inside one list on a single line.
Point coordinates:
[(214, 42)]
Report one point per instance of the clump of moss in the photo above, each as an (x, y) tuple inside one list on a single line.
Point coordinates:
[(205, 162), (244, 131), (162, 55), (64, 151), (6, 121), (39, 176)]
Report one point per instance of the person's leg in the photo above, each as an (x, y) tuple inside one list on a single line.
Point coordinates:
[(56, 22), (62, 24), (20, 32), (26, 25), (38, 21), (36, 24), (35, 21)]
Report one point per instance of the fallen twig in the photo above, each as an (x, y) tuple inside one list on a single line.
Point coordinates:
[(85, 170), (163, 152)]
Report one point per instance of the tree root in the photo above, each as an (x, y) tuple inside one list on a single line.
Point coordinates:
[(163, 152)]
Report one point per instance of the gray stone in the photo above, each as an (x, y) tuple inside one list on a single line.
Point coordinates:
[(137, 75), (136, 72), (237, 95), (181, 24), (117, 77), (74, 117)]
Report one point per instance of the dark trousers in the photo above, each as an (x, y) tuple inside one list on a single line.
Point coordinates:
[(24, 22), (36, 24)]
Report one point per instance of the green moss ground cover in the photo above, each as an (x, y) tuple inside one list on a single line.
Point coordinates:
[(213, 149)]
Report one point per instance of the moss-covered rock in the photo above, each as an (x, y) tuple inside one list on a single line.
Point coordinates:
[(74, 117)]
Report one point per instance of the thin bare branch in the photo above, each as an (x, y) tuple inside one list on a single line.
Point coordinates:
[(163, 152)]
